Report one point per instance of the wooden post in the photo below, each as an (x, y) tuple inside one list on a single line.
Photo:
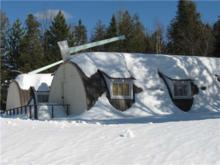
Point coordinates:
[(33, 94), (52, 115), (30, 113), (67, 109)]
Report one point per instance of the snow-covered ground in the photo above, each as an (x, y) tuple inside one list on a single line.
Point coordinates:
[(185, 140)]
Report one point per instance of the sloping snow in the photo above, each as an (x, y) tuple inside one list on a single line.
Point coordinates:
[(41, 82), (112, 64), (159, 141)]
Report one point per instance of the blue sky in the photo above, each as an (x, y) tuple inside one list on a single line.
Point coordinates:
[(149, 12)]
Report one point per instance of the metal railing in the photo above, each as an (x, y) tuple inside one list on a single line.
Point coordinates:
[(32, 110)]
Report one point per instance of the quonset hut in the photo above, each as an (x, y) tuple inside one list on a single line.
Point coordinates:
[(81, 80), (130, 79), (19, 89)]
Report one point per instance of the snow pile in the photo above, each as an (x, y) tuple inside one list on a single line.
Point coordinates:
[(127, 133), (112, 64), (41, 82), (62, 142), (155, 99)]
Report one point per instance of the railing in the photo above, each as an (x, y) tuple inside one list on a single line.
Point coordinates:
[(53, 106), (32, 110)]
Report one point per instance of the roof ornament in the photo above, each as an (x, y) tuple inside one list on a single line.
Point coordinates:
[(66, 51)]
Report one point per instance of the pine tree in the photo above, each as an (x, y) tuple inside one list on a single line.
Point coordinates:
[(137, 41), (58, 31), (112, 28), (112, 31), (216, 30), (31, 48), (4, 26), (15, 36), (80, 34), (99, 34), (5, 77), (185, 33), (125, 27)]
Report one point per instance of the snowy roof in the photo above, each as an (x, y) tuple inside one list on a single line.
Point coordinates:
[(113, 64), (40, 82)]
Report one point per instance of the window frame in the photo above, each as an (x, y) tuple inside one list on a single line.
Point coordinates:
[(42, 93), (182, 82), (121, 81)]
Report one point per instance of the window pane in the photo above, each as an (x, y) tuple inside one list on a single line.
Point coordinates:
[(181, 88), (42, 98), (125, 89), (120, 89), (115, 89)]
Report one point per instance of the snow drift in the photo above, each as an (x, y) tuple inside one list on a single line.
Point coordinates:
[(40, 82)]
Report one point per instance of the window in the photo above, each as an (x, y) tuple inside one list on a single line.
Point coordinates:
[(181, 89), (121, 89), (42, 97)]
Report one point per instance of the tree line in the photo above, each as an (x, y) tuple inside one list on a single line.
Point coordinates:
[(26, 47)]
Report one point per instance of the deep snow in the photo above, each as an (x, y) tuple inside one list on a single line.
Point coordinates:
[(152, 141), (40, 82)]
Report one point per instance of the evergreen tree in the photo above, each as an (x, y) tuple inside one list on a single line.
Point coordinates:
[(125, 27), (216, 30), (186, 31), (137, 41), (15, 36), (112, 28), (31, 48), (58, 31), (5, 77), (99, 34), (80, 34), (4, 26), (112, 31)]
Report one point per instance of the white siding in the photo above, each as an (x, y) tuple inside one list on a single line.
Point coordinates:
[(13, 96), (67, 84)]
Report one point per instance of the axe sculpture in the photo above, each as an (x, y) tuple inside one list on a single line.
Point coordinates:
[(66, 51)]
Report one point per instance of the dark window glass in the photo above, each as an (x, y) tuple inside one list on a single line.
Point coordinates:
[(181, 89), (120, 89), (42, 98)]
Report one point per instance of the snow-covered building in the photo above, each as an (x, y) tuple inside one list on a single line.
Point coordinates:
[(81, 80), (104, 82), (19, 93), (130, 79), (181, 90)]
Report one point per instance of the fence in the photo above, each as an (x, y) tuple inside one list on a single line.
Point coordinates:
[(32, 111)]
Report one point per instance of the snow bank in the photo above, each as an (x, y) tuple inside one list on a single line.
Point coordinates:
[(41, 82)]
